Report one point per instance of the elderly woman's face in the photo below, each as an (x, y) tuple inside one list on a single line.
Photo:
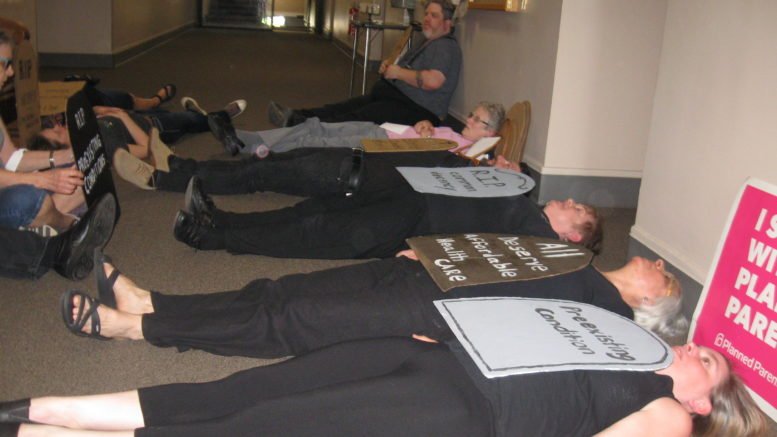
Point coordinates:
[(478, 125)]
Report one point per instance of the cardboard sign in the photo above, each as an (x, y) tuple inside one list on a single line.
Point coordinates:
[(88, 149), (406, 145), (54, 96), (20, 106), (512, 336), (467, 181), (737, 311), (459, 260)]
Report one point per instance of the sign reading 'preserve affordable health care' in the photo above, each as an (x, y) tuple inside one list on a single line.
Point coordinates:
[(737, 312)]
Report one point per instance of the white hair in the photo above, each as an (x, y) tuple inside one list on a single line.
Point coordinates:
[(664, 317)]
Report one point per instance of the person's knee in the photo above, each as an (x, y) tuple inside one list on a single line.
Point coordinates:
[(20, 205)]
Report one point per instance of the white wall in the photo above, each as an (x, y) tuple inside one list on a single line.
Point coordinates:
[(74, 26), (103, 27), (714, 123), (138, 21), (508, 58), (605, 78)]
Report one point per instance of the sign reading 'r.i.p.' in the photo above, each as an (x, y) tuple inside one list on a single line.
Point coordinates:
[(467, 181), (470, 259)]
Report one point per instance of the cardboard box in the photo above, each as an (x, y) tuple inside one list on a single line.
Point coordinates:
[(19, 106)]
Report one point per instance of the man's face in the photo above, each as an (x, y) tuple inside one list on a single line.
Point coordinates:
[(566, 217), (7, 73), (478, 125), (650, 279), (435, 25)]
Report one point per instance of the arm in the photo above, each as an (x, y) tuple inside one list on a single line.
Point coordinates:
[(60, 180), (427, 80), (138, 135), (31, 161), (664, 417), (501, 162)]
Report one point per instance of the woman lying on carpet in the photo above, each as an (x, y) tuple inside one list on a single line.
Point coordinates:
[(398, 386), (298, 313)]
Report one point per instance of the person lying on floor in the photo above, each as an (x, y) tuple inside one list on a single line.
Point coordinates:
[(101, 96), (298, 313), (319, 171), (25, 254), (400, 386), (485, 120), (374, 224)]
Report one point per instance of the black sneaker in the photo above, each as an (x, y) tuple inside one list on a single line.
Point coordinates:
[(221, 127), (75, 261), (193, 231), (196, 202)]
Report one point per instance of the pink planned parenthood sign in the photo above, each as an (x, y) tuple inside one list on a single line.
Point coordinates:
[(737, 311)]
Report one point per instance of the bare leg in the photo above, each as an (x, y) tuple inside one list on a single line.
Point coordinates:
[(50, 215), (107, 412), (142, 103), (68, 202), (130, 298), (140, 151)]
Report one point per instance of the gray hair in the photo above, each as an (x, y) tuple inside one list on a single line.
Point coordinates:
[(496, 114), (448, 8), (664, 316)]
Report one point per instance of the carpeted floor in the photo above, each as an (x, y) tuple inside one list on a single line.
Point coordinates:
[(39, 356)]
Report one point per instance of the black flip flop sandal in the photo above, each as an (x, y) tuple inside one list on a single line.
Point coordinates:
[(169, 90), (84, 315), (105, 284)]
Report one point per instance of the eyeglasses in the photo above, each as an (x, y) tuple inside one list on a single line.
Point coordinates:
[(7, 62), (477, 119)]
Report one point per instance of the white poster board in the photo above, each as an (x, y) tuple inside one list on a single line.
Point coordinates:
[(467, 181), (513, 336)]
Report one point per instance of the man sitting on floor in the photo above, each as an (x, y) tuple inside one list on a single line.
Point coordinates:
[(418, 87)]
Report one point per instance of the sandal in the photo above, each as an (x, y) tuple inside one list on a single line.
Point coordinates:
[(84, 314), (105, 284), (168, 91)]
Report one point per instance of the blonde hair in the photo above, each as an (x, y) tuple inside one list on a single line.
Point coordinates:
[(734, 413), (664, 316)]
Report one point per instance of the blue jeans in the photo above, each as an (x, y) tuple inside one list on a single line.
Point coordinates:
[(20, 204)]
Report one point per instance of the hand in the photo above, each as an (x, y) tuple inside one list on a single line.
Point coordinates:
[(502, 162), (102, 111), (408, 253), (60, 180), (383, 66), (424, 129), (424, 338), (392, 71)]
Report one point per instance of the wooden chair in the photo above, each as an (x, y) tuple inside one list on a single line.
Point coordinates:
[(514, 132)]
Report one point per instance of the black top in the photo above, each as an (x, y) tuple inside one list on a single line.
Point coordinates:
[(564, 404), (516, 214)]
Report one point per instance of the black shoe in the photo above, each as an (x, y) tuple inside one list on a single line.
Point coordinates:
[(9, 429), (15, 411), (192, 230), (221, 127), (279, 115), (75, 261), (196, 202)]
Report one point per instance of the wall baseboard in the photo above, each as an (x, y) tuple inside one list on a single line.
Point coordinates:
[(85, 60), (608, 192)]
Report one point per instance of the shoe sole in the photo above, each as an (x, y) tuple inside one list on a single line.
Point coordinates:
[(100, 224), (218, 132), (123, 161)]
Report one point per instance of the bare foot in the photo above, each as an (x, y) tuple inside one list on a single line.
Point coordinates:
[(113, 324), (130, 298)]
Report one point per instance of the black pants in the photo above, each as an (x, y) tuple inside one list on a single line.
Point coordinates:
[(23, 254), (362, 226), (299, 313), (301, 172), (385, 387), (384, 103)]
